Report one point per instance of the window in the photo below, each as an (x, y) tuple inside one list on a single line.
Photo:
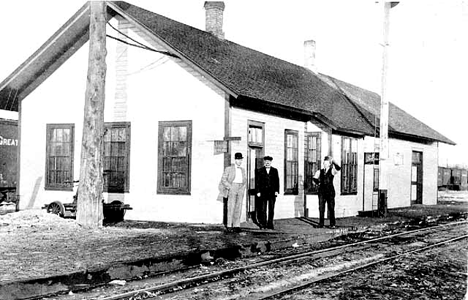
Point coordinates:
[(349, 166), (376, 179), (255, 134), (312, 159), (116, 157), (291, 162), (175, 139), (59, 160)]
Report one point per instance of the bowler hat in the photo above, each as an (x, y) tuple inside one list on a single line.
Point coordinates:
[(268, 158), (238, 155)]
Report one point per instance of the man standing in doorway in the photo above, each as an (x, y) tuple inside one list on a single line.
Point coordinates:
[(267, 188), (233, 185), (326, 190)]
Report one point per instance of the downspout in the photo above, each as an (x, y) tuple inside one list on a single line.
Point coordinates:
[(227, 129), (18, 156)]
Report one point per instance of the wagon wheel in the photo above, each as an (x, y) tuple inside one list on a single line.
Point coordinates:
[(54, 208)]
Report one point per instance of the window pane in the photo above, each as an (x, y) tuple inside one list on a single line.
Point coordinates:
[(255, 135), (167, 134), (182, 133), (174, 134), (346, 145), (58, 135)]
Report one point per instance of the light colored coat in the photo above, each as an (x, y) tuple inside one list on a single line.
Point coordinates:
[(226, 181)]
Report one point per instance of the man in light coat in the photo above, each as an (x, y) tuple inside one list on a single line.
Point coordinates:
[(232, 186)]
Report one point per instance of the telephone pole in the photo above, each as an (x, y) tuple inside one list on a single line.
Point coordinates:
[(384, 114), (89, 205)]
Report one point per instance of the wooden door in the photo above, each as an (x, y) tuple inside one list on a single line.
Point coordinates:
[(255, 153), (417, 178)]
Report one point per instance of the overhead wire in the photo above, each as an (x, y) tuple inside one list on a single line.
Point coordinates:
[(137, 43)]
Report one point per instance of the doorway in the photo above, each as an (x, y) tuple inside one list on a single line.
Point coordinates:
[(417, 178), (255, 153), (371, 182)]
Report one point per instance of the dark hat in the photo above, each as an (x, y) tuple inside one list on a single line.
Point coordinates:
[(327, 158), (238, 155), (268, 158)]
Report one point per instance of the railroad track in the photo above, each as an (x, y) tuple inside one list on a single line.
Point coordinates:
[(185, 285), (292, 289)]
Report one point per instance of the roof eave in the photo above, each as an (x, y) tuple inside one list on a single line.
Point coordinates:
[(28, 75)]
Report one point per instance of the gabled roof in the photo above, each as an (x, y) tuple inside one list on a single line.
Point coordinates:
[(246, 74), (48, 58), (399, 123), (243, 72)]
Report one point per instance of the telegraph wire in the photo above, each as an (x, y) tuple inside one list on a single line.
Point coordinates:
[(137, 43)]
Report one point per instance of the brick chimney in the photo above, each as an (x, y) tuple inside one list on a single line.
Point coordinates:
[(309, 56), (214, 18)]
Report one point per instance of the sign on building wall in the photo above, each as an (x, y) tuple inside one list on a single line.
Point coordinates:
[(220, 147), (398, 159), (371, 158)]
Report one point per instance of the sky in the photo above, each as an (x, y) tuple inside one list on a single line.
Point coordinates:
[(427, 57)]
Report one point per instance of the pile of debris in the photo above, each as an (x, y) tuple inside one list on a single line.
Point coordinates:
[(35, 220)]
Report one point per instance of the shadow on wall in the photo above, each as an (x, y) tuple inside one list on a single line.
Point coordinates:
[(32, 200)]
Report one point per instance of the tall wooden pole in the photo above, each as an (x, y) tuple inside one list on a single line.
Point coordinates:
[(384, 115), (89, 206)]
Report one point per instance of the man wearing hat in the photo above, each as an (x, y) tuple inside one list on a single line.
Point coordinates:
[(326, 192), (232, 186), (267, 188)]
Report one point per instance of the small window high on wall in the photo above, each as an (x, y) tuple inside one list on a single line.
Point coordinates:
[(349, 165), (59, 160), (174, 157)]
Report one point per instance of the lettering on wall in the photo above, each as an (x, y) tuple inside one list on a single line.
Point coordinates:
[(8, 142)]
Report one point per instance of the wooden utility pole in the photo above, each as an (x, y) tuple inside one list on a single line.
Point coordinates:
[(384, 115), (89, 206)]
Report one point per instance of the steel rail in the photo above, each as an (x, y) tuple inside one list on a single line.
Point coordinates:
[(226, 273), (302, 286)]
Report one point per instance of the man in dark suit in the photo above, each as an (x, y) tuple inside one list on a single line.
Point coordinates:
[(326, 191), (267, 188)]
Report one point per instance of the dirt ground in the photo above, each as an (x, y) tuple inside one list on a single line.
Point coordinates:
[(37, 244), (440, 273)]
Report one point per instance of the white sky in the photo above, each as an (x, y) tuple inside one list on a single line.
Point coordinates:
[(428, 58)]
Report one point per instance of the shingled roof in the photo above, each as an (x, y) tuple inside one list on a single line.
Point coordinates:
[(251, 74), (247, 74), (399, 123)]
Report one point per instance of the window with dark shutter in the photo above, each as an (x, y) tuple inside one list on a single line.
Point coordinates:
[(174, 157)]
